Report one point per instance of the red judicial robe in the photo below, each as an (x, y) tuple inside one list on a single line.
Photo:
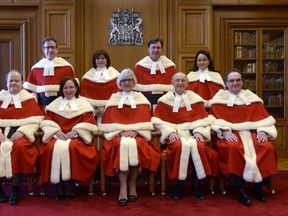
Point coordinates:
[(119, 152), (98, 92), (159, 82), (48, 85), (22, 158), (206, 89), (81, 159), (245, 157), (184, 123)]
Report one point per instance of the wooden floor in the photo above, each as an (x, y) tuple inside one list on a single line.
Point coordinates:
[(283, 164)]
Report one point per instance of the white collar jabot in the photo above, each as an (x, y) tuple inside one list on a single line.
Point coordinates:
[(8, 98), (232, 98), (177, 101), (66, 102), (101, 71), (48, 68), (204, 75), (128, 96), (154, 67)]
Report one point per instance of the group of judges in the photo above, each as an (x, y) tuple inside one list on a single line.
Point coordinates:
[(127, 106)]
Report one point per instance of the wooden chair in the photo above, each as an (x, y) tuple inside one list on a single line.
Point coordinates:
[(98, 138), (157, 135)]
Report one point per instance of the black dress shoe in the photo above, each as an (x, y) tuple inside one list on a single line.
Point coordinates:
[(197, 193), (2, 197), (177, 195), (123, 201), (70, 193), (132, 198), (2, 194), (15, 196), (59, 195), (258, 194), (243, 198)]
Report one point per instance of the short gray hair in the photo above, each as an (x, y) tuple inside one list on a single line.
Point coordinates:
[(124, 73)]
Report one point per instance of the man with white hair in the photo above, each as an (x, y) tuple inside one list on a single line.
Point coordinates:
[(185, 128)]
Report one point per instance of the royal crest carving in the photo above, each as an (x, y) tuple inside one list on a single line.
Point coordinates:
[(125, 28)]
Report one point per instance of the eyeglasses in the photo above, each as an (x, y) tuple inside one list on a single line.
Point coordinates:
[(49, 47), (234, 80), (127, 80)]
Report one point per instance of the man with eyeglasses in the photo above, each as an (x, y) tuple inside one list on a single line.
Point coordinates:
[(245, 131), (45, 75)]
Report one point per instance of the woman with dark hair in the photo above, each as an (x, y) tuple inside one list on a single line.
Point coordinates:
[(68, 154), (99, 83), (204, 79)]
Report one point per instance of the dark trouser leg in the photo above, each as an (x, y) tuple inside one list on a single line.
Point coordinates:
[(178, 190), (2, 194), (196, 190), (70, 193), (257, 190), (15, 195), (239, 183)]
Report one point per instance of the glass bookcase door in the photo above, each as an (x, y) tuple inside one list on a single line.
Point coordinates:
[(245, 56), (273, 71)]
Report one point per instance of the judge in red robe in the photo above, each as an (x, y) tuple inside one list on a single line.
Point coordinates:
[(45, 76), (99, 83), (185, 127), (203, 80), (127, 126), (20, 117), (154, 72), (244, 130), (68, 153)]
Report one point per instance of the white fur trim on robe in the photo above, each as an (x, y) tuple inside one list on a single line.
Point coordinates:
[(201, 126), (24, 96), (89, 75), (153, 87), (85, 131), (146, 62), (57, 61), (49, 128), (5, 159), (266, 125), (251, 171), (215, 77), (68, 113), (189, 147), (60, 164), (128, 153), (222, 96), (112, 129)]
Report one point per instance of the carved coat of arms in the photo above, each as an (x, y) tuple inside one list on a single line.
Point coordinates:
[(125, 28)]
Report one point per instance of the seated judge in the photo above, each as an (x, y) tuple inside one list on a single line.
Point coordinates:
[(67, 153), (245, 131), (181, 117), (127, 126), (20, 117)]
